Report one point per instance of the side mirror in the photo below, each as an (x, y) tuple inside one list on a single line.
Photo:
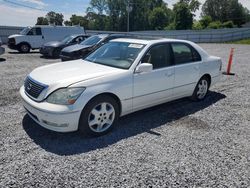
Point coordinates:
[(144, 67)]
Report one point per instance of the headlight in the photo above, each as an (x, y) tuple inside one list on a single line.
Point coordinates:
[(65, 96)]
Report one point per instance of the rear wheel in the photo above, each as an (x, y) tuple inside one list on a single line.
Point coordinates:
[(99, 116), (201, 89), (24, 48)]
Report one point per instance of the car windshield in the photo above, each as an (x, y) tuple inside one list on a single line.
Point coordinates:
[(92, 40), (25, 31), (116, 54), (67, 39)]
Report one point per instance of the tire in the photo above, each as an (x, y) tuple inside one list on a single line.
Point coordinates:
[(24, 48), (99, 116), (201, 89)]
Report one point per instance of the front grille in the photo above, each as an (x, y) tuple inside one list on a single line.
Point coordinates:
[(33, 88), (11, 41)]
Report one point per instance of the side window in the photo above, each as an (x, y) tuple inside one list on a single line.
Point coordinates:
[(35, 31), (158, 56), (79, 39), (38, 31), (196, 55), (31, 32), (184, 53)]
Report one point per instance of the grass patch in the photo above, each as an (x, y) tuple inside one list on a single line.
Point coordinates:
[(245, 41)]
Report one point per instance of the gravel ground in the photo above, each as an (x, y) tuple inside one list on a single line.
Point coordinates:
[(178, 144)]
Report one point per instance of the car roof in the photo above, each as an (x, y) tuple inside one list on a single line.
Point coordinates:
[(77, 35), (148, 41)]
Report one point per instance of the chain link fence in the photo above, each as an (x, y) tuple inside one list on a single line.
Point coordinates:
[(199, 36)]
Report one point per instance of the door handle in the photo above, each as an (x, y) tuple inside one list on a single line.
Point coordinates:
[(169, 74)]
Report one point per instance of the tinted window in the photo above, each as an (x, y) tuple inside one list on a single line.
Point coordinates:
[(78, 39), (158, 56), (38, 31), (196, 55), (67, 39), (184, 53), (35, 31), (92, 40)]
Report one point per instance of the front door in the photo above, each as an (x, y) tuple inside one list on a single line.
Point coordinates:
[(35, 37), (156, 86)]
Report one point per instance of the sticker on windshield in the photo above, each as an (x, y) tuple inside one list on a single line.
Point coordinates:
[(135, 46)]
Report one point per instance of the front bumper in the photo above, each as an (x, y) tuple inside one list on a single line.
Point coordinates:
[(12, 46), (2, 50), (57, 118), (46, 51)]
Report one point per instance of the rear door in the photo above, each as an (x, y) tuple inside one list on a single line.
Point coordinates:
[(187, 69), (156, 86)]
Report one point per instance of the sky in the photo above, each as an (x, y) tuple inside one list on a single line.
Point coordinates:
[(12, 14)]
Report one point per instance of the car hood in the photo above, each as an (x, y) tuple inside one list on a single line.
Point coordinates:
[(76, 47), (54, 44), (67, 73), (15, 36)]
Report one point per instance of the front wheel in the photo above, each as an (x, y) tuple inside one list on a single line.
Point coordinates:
[(99, 116), (201, 89), (24, 48)]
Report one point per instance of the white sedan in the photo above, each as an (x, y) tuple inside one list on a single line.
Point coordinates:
[(121, 77)]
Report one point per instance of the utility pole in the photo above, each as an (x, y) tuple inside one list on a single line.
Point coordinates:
[(129, 9)]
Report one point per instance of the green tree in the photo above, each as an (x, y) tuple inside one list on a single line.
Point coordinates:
[(113, 14), (42, 21), (215, 25), (77, 20), (97, 10), (228, 24), (197, 26), (205, 21), (55, 18), (226, 10), (184, 13), (159, 17)]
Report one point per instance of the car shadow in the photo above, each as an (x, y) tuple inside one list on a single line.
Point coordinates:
[(2, 60), (46, 57), (32, 52), (128, 126)]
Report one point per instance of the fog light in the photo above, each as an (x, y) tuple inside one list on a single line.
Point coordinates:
[(54, 124)]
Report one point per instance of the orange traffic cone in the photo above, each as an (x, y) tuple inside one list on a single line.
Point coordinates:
[(230, 62)]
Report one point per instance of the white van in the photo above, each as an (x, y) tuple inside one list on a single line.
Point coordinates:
[(35, 37)]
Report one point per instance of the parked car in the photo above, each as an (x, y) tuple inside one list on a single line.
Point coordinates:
[(2, 50), (81, 50), (34, 37), (54, 48), (120, 77)]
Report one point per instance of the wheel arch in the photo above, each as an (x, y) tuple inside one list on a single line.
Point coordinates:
[(24, 42), (114, 96), (208, 76)]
